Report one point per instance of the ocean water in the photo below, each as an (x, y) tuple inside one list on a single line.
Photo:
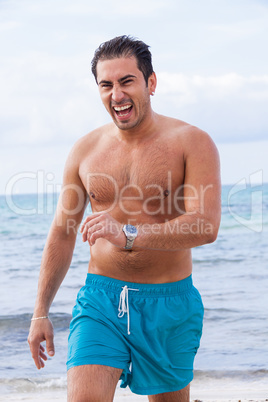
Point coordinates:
[(231, 275)]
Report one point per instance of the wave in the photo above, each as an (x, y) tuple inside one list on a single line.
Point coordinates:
[(241, 375), (60, 383), (22, 385), (216, 260), (18, 322)]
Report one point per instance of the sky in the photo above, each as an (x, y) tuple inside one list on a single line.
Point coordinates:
[(210, 58)]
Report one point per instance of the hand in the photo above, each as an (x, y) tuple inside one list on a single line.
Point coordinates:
[(41, 330), (103, 225)]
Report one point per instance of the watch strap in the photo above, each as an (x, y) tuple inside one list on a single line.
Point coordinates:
[(129, 243), (130, 236)]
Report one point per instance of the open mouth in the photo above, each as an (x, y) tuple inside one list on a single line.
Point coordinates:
[(123, 111)]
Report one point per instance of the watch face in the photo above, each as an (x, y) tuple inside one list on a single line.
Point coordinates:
[(131, 229)]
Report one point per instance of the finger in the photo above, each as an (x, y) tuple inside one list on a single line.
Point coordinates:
[(96, 235), (86, 226), (43, 355), (37, 362), (89, 218), (90, 227), (50, 346), (35, 348), (95, 229)]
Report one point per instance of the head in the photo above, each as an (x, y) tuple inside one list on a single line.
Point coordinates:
[(124, 46)]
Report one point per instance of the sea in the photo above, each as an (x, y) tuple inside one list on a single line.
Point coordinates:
[(231, 275)]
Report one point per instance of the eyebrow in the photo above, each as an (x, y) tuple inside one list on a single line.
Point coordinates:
[(120, 79)]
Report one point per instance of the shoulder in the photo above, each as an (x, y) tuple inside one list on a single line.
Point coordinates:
[(90, 140), (87, 144), (198, 141), (200, 152), (82, 149), (190, 138)]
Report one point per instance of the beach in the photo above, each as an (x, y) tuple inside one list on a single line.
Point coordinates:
[(201, 391)]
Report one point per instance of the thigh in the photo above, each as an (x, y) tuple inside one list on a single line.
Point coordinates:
[(178, 396), (92, 383)]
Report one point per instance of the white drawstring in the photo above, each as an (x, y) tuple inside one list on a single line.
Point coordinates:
[(124, 306)]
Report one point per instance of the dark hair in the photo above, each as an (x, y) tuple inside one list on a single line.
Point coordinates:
[(124, 46)]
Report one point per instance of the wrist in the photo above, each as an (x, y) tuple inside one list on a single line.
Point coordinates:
[(40, 312), (40, 318)]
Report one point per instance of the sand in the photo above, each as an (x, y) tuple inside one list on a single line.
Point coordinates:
[(202, 390), (127, 397)]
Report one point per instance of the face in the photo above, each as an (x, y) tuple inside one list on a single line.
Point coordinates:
[(124, 92)]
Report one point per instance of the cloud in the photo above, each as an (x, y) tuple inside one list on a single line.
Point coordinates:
[(47, 98), (210, 58), (230, 106), (190, 88), (102, 8), (8, 25)]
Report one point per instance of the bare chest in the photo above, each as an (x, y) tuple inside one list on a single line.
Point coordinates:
[(142, 181)]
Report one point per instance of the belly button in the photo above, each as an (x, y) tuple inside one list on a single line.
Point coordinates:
[(92, 195)]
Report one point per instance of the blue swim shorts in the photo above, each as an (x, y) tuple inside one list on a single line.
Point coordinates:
[(151, 331)]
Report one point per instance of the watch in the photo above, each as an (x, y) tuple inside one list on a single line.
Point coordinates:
[(131, 233)]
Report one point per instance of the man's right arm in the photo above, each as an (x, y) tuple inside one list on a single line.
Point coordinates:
[(57, 256)]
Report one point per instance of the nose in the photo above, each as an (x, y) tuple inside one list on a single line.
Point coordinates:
[(117, 93)]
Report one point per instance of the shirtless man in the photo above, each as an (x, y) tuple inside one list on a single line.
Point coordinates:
[(154, 188)]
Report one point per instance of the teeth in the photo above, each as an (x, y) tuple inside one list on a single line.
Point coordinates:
[(120, 108)]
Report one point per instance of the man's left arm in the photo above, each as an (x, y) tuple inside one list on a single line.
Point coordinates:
[(202, 201)]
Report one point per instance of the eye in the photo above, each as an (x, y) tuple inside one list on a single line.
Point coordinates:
[(127, 82), (106, 85)]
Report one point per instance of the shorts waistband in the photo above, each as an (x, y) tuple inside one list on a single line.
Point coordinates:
[(153, 290)]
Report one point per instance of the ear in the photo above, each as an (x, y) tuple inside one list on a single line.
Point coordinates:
[(152, 82)]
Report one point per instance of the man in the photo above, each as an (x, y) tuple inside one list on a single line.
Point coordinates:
[(154, 188)]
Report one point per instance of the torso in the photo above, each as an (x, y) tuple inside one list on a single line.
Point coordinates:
[(137, 183)]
